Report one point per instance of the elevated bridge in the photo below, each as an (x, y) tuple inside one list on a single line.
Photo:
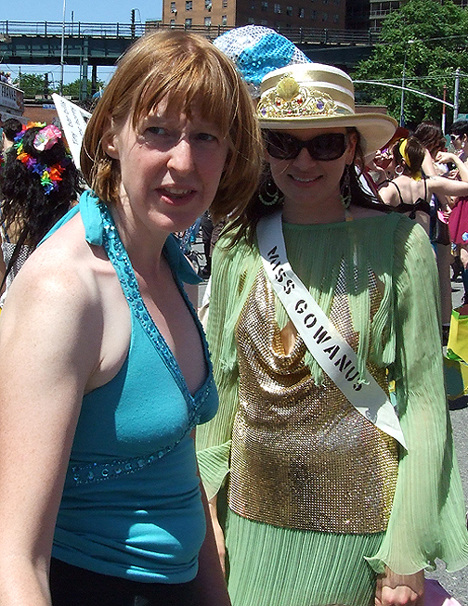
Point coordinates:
[(99, 44)]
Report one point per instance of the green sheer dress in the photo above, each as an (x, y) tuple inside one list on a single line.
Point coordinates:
[(319, 500)]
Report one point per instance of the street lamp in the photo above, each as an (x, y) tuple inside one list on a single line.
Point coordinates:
[(456, 94), (133, 12), (62, 46), (403, 76)]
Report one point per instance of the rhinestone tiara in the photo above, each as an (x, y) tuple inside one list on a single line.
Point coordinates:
[(289, 99)]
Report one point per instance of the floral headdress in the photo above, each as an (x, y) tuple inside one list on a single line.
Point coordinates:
[(45, 139)]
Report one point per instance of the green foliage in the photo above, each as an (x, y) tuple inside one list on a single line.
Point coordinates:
[(438, 34), (73, 88), (33, 85)]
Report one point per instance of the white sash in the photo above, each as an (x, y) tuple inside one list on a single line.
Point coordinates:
[(324, 342)]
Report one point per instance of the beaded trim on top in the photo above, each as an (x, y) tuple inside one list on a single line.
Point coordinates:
[(290, 99), (97, 472)]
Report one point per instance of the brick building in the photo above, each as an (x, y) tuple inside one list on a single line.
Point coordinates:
[(282, 14), (357, 14), (321, 14)]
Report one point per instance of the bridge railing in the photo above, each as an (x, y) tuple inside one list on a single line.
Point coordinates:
[(303, 35), (71, 28)]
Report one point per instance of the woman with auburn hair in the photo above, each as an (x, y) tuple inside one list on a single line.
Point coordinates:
[(107, 373), (330, 462)]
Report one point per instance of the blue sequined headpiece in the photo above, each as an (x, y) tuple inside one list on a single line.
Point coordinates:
[(258, 50)]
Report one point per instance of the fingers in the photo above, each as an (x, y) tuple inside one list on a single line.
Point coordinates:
[(399, 590)]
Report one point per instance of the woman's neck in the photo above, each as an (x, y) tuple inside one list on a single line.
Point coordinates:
[(143, 246), (318, 212)]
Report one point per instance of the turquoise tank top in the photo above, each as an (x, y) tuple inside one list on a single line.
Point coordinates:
[(131, 504)]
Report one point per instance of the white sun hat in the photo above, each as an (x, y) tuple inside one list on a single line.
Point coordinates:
[(318, 96)]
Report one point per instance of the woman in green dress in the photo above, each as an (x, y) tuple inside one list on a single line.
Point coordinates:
[(331, 460)]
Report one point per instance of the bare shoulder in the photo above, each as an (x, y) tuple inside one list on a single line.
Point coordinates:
[(58, 273), (67, 299)]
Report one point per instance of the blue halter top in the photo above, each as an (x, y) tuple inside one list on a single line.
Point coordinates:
[(131, 503)]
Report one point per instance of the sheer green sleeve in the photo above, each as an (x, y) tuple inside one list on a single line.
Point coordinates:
[(428, 513), (233, 272)]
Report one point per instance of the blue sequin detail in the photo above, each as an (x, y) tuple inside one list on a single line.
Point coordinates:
[(115, 250)]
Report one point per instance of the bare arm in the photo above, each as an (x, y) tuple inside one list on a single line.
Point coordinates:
[(441, 186), (446, 157), (218, 531), (51, 352), (210, 578)]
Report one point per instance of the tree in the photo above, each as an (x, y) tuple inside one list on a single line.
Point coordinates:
[(39, 85), (34, 85), (73, 88), (428, 38)]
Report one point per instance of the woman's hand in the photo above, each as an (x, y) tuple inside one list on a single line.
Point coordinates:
[(446, 157), (399, 590), (218, 533)]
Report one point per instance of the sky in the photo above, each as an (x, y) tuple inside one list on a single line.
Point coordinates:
[(88, 11)]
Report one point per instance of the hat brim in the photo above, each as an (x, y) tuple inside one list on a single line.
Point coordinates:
[(375, 129)]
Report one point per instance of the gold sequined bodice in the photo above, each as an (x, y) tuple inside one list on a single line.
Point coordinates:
[(302, 456)]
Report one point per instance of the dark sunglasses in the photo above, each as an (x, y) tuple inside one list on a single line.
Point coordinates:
[(329, 146), (454, 137)]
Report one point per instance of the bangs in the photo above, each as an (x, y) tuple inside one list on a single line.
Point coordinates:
[(193, 85), (191, 76)]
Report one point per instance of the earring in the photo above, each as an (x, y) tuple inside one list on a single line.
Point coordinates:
[(346, 188), (399, 170), (269, 195), (345, 192)]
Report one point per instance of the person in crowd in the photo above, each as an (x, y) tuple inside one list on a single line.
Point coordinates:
[(410, 191), (10, 128), (325, 492), (206, 227), (459, 138), (6, 77), (38, 184), (430, 136), (458, 219), (378, 165), (107, 373)]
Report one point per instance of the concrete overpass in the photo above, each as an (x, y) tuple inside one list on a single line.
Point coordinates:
[(98, 44)]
